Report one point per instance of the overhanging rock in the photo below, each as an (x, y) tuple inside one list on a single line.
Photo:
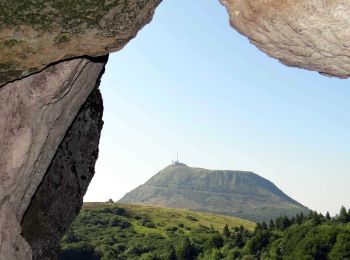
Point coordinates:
[(309, 34), (36, 33)]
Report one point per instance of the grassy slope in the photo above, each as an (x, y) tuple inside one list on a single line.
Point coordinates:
[(127, 232), (241, 194), (165, 217), (120, 231)]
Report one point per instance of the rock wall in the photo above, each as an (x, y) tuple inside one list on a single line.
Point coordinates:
[(60, 195), (55, 40), (309, 34), (35, 113)]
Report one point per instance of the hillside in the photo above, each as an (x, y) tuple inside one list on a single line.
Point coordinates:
[(236, 193), (126, 232), (120, 231)]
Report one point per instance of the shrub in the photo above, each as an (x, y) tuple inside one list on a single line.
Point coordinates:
[(150, 225), (189, 217)]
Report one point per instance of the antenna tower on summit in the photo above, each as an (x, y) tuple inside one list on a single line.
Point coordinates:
[(177, 159)]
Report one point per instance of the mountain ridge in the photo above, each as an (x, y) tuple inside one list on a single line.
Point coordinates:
[(236, 193)]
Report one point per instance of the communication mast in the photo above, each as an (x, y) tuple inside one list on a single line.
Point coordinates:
[(177, 159)]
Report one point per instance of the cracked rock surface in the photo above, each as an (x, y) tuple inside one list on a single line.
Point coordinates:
[(35, 113), (50, 61), (309, 34), (59, 197), (36, 33)]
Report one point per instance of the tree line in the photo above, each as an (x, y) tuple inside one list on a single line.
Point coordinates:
[(112, 234)]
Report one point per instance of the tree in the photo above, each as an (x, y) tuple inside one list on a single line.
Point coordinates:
[(341, 249), (258, 227), (316, 219), (110, 201), (226, 232), (238, 240), (343, 215), (183, 249), (300, 218), (293, 221), (212, 229), (264, 225), (258, 242), (282, 222), (328, 216), (213, 241)]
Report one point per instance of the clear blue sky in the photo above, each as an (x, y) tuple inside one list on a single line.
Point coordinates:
[(190, 83)]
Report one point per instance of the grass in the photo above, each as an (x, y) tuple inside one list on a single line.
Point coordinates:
[(122, 231), (119, 231), (168, 217)]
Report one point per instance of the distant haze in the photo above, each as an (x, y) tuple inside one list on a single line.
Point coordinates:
[(189, 83)]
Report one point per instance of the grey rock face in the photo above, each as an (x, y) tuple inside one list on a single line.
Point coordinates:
[(35, 113), (309, 34), (60, 195)]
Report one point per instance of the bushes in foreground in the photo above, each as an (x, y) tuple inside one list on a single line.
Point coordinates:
[(115, 234)]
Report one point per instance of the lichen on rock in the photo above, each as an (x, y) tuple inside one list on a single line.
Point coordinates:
[(36, 33)]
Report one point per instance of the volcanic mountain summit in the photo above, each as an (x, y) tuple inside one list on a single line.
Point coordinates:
[(236, 193)]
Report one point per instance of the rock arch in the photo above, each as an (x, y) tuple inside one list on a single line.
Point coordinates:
[(49, 102)]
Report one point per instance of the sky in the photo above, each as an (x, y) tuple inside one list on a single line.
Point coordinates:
[(189, 83)]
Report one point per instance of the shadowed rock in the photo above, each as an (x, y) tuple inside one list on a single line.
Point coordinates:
[(35, 113), (60, 195)]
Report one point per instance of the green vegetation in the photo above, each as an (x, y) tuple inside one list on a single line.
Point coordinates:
[(69, 16), (10, 70), (117, 231), (61, 38), (241, 194), (10, 43)]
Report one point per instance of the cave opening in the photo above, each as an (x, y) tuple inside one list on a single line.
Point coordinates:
[(202, 90), (199, 90)]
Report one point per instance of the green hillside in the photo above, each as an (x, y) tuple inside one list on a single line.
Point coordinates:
[(117, 231), (242, 194), (120, 231)]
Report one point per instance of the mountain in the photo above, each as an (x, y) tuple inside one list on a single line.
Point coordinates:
[(235, 193)]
